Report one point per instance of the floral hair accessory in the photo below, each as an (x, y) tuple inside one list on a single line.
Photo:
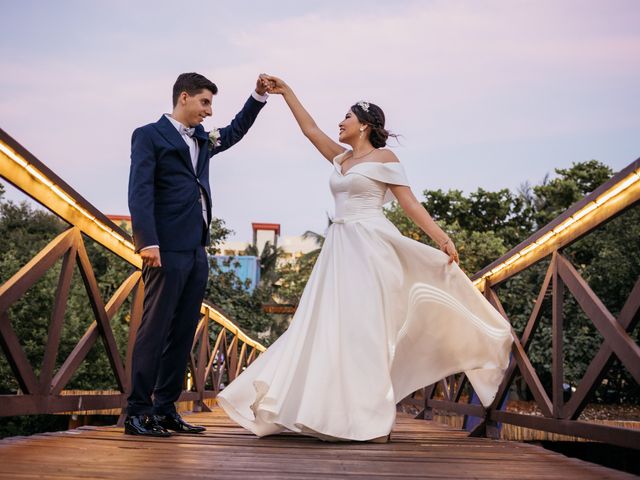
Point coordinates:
[(364, 106)]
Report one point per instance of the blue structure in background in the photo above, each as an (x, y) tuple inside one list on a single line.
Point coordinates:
[(244, 266)]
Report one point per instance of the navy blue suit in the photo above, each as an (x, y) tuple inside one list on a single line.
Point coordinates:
[(166, 210)]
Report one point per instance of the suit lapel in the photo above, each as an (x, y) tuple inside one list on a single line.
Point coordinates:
[(203, 143), (169, 132)]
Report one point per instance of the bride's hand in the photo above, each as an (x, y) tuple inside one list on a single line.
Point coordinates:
[(450, 249), (274, 84)]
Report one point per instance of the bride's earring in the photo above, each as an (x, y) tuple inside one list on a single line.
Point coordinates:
[(361, 132)]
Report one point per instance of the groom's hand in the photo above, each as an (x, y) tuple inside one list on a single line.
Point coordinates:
[(261, 85), (151, 257)]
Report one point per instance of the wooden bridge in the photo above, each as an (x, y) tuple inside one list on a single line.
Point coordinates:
[(420, 447)]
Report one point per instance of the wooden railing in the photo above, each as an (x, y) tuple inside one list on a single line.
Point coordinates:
[(618, 194), (220, 349)]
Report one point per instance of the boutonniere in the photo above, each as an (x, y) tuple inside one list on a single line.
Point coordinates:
[(214, 138)]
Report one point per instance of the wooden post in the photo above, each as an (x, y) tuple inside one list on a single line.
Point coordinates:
[(557, 373)]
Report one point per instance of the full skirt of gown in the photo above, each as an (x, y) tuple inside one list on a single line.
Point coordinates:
[(381, 316)]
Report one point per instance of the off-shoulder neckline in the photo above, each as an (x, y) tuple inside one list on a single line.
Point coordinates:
[(338, 165)]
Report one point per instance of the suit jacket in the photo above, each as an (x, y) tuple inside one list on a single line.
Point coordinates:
[(164, 189)]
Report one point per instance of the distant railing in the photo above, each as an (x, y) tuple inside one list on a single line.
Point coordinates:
[(621, 192), (220, 349)]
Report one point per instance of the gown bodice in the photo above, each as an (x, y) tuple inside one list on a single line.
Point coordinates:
[(362, 191)]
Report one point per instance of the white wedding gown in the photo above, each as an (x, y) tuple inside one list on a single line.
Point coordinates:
[(381, 316)]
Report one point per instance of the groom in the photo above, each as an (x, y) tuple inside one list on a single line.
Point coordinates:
[(170, 205)]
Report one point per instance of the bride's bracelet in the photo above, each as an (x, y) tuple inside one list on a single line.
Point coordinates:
[(441, 245)]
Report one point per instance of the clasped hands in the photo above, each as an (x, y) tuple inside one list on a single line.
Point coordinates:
[(269, 84)]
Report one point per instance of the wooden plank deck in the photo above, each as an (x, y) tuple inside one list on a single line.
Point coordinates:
[(419, 449)]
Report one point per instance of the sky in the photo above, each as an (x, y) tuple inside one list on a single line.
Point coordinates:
[(486, 94)]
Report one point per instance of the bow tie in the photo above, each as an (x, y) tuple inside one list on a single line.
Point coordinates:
[(187, 131)]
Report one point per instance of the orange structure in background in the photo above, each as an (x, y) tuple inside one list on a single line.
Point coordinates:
[(121, 221), (266, 227)]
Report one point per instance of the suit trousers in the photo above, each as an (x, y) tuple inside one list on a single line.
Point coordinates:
[(172, 298)]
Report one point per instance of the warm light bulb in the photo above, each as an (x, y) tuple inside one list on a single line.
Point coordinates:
[(13, 156)]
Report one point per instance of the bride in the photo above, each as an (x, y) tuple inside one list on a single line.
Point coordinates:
[(381, 316)]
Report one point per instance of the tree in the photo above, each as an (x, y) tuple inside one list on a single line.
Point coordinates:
[(228, 292), (295, 275), (482, 226), (552, 197), (608, 259), (268, 262), (24, 231)]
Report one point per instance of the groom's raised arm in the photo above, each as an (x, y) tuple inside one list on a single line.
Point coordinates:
[(141, 190), (240, 125)]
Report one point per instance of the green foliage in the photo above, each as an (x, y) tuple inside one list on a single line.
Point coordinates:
[(24, 231), (268, 262), (502, 212), (477, 248), (609, 261), (551, 198), (30, 316), (483, 225), (294, 275), (31, 424), (228, 292), (607, 258)]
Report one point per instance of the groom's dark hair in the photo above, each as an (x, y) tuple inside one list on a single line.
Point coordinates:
[(192, 83)]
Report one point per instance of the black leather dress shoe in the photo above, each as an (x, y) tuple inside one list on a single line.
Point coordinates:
[(174, 422), (144, 425)]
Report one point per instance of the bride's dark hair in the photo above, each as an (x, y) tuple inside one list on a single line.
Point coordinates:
[(372, 115)]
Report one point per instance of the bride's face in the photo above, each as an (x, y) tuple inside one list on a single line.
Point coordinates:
[(349, 127)]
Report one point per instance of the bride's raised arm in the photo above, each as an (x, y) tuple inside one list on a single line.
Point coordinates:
[(327, 147)]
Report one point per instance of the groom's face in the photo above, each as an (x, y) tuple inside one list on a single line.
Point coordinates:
[(196, 107)]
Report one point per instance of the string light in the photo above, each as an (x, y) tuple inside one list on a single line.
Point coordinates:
[(627, 182), (9, 153), (581, 214), (588, 209), (528, 249), (42, 178), (512, 259), (569, 221), (544, 238), (63, 195)]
